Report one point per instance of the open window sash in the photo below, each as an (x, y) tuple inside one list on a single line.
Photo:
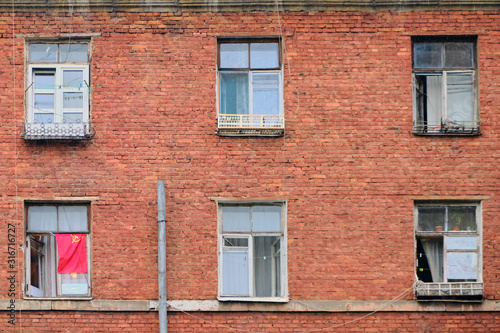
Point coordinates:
[(41, 273), (236, 268)]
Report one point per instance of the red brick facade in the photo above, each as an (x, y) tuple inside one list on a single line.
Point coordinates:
[(348, 165)]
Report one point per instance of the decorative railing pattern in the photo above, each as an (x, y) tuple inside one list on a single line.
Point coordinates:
[(41, 131), (448, 127), (449, 289), (250, 121), (244, 124)]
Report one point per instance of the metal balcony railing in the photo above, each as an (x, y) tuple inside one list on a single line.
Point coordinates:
[(244, 124), (447, 127), (449, 289), (42, 131)]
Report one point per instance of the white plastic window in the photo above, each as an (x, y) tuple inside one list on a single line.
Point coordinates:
[(252, 253), (250, 79), (58, 84)]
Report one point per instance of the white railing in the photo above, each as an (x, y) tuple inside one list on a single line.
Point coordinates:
[(39, 131), (449, 289), (245, 121)]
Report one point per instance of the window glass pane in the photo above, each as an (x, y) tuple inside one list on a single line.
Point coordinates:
[(233, 93), (427, 55), (462, 218), (36, 262), (458, 55), (42, 218), (235, 219), (265, 93), (72, 100), (73, 218), (44, 101), (236, 242), (43, 52), (266, 218), (73, 79), (461, 266), (264, 55), (265, 276), (235, 271), (431, 218), (461, 243), (43, 118), (233, 55), (76, 117), (73, 52), (434, 93), (44, 81), (459, 88), (74, 284)]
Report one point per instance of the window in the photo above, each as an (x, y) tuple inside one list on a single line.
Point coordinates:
[(250, 88), (445, 86), (252, 257), (448, 250), (57, 91), (57, 256)]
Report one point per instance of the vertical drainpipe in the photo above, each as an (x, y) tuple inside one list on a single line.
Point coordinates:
[(162, 258)]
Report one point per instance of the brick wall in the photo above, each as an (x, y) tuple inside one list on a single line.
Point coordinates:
[(257, 322), (348, 164)]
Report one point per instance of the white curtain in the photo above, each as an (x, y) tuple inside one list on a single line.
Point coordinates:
[(434, 251), (434, 100), (459, 88)]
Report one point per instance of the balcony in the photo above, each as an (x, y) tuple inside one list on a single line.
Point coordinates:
[(57, 131), (250, 125)]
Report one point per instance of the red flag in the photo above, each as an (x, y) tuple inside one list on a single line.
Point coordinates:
[(72, 253)]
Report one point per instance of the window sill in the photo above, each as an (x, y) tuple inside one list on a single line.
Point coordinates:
[(450, 291), (51, 131), (65, 298), (253, 299)]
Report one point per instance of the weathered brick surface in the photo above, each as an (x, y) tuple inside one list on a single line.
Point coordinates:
[(348, 164), (62, 321), (258, 322)]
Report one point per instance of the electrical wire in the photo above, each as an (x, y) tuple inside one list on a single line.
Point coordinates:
[(405, 293)]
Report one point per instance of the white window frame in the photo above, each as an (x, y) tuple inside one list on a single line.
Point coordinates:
[(445, 127), (58, 93), (450, 288), (51, 259), (283, 297), (58, 129), (254, 121)]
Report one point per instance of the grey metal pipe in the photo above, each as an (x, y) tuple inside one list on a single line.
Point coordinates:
[(162, 258)]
